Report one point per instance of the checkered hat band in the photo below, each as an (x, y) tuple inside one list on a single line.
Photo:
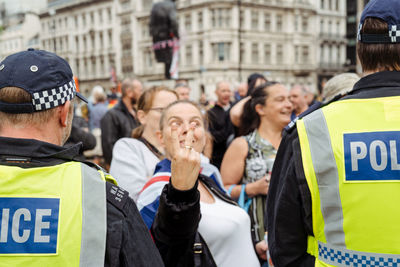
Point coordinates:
[(342, 257), (53, 97), (392, 37)]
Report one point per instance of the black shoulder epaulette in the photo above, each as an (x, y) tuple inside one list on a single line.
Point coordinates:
[(94, 165), (116, 195)]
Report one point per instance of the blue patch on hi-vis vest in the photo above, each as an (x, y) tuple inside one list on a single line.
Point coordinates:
[(28, 225), (372, 156)]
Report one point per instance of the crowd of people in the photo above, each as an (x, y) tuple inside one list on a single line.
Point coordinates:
[(266, 176), (146, 139)]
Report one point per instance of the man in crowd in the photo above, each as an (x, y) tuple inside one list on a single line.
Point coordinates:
[(56, 211), (119, 121), (311, 96), (334, 192), (241, 91), (298, 97), (220, 125), (183, 91)]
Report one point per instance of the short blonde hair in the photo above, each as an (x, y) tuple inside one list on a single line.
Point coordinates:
[(16, 95)]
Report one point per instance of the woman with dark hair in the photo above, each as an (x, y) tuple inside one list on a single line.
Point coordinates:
[(253, 81), (248, 161)]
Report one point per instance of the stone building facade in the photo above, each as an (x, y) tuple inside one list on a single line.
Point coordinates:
[(84, 32), (20, 32), (291, 41)]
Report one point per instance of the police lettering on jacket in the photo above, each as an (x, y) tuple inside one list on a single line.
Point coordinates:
[(28, 225), (372, 156)]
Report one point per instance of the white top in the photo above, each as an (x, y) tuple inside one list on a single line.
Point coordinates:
[(132, 165), (226, 230)]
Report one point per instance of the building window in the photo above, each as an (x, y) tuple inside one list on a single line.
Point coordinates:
[(76, 21), (267, 53), (279, 53), (101, 40), (84, 43), (304, 24), (77, 43), (338, 28), (220, 17), (329, 27), (322, 25), (91, 18), (254, 20), (213, 18), (83, 20), (110, 38), (201, 53), (188, 22), (279, 23), (241, 18), (109, 14), (85, 67), (77, 67), (221, 51), (296, 23), (102, 65), (305, 55), (242, 51), (254, 53), (101, 16), (200, 20), (267, 22), (297, 54), (188, 56)]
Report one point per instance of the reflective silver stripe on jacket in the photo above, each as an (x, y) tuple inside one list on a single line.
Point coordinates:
[(94, 218), (326, 172), (342, 257)]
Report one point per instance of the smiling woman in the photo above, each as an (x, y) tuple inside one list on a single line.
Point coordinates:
[(249, 159), (193, 221)]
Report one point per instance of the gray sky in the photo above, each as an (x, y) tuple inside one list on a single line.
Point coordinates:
[(13, 6)]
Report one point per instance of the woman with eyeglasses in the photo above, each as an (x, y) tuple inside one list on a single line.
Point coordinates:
[(134, 159)]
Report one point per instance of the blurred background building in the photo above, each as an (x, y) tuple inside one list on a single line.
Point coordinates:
[(354, 10), (291, 41)]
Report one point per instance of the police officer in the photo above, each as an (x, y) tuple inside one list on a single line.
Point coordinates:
[(334, 194), (55, 211)]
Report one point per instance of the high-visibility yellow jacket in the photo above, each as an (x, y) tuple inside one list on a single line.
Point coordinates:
[(352, 168), (52, 216)]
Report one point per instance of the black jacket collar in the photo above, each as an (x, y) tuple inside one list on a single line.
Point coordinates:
[(32, 153), (379, 84)]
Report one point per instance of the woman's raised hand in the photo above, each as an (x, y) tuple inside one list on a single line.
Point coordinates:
[(185, 161)]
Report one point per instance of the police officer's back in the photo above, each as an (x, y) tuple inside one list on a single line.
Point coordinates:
[(334, 192), (56, 211)]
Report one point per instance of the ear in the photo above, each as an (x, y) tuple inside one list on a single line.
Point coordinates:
[(63, 113), (160, 137), (259, 109), (141, 115)]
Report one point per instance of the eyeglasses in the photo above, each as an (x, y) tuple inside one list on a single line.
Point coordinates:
[(158, 109)]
